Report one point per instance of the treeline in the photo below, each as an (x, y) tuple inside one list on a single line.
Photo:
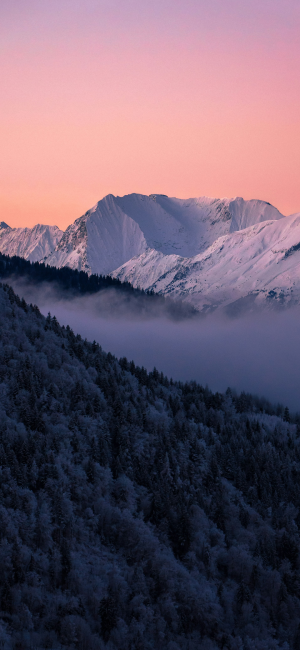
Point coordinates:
[(138, 513), (243, 402), (71, 282), (68, 279)]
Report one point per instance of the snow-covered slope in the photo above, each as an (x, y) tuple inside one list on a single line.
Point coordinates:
[(261, 263), (31, 243), (119, 228)]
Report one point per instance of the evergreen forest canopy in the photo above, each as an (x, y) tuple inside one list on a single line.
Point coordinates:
[(138, 513), (71, 283)]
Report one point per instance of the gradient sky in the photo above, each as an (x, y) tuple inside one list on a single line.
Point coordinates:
[(181, 97)]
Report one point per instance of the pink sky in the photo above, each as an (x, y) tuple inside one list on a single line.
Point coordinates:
[(185, 98)]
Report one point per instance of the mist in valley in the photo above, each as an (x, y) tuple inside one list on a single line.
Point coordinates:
[(257, 353)]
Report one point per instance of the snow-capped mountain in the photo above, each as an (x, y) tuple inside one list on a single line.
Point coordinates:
[(119, 228), (210, 252), (31, 243), (258, 264)]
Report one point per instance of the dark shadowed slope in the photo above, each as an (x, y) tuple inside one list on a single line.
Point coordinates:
[(137, 513)]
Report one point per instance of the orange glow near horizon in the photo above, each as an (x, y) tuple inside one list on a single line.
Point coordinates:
[(176, 98)]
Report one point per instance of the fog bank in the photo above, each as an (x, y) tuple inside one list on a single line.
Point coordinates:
[(258, 353)]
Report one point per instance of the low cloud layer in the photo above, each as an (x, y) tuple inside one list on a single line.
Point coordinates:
[(258, 353)]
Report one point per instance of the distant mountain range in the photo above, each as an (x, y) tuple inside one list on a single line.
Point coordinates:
[(211, 252), (31, 243)]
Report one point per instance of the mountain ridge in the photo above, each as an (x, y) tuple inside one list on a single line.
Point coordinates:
[(263, 258)]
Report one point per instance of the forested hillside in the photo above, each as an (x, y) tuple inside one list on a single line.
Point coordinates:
[(137, 513), (69, 283), (68, 279)]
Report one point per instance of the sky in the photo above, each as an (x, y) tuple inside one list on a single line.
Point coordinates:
[(180, 97)]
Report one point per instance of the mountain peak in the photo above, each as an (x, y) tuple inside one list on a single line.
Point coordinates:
[(4, 226), (118, 228)]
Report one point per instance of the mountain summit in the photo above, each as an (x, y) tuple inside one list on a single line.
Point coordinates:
[(119, 228)]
